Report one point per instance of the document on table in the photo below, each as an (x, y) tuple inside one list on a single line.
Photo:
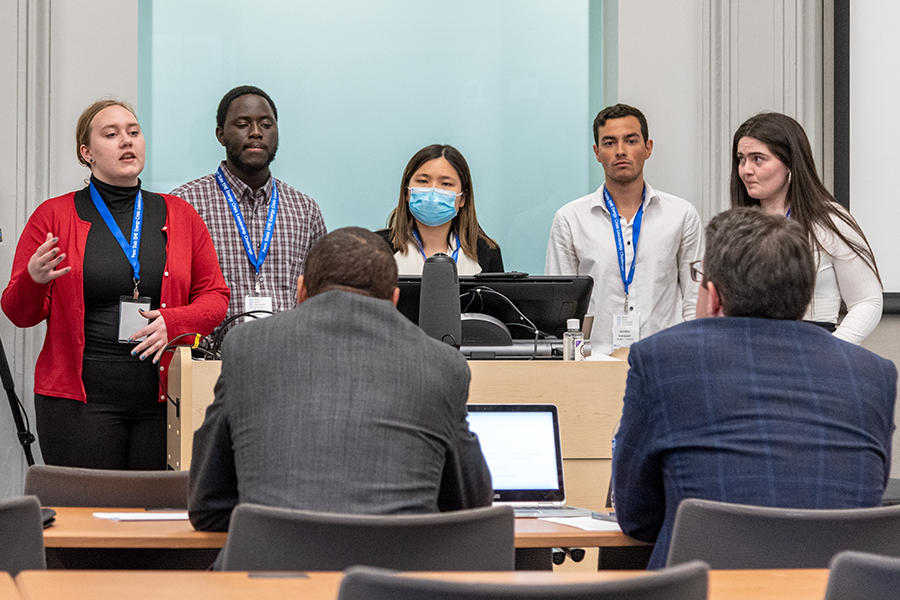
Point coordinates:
[(586, 523), (179, 515)]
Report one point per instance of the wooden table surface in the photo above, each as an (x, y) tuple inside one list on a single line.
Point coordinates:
[(796, 584), (79, 528), (536, 533)]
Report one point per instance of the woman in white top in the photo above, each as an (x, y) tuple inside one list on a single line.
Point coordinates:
[(773, 168), (436, 214)]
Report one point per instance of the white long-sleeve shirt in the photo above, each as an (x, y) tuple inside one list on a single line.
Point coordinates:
[(671, 237), (843, 274)]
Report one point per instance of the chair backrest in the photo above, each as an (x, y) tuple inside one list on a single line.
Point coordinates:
[(738, 536), (861, 576), (263, 538), (684, 582), (106, 488), (21, 535)]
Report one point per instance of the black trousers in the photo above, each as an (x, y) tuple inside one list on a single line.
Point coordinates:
[(121, 426)]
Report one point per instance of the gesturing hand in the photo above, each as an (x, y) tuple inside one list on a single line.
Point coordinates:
[(157, 336), (45, 259)]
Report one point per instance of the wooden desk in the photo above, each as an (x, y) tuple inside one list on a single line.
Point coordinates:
[(8, 589), (589, 396), (78, 528), (535, 533), (800, 584)]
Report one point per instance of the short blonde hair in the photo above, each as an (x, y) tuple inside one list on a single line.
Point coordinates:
[(83, 128)]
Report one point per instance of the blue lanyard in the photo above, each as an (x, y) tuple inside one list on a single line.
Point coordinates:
[(787, 215), (454, 256), (242, 228), (132, 251), (620, 239)]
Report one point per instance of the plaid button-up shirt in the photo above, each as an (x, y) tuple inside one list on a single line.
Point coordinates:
[(298, 226)]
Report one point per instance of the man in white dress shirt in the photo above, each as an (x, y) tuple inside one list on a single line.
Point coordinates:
[(636, 242)]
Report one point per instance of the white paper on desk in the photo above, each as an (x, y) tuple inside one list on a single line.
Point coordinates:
[(143, 516), (599, 357), (586, 523)]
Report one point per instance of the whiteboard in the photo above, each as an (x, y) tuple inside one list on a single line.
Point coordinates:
[(875, 130)]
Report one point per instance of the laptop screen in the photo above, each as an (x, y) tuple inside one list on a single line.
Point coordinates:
[(520, 443)]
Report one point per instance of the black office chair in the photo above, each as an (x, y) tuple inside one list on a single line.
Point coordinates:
[(891, 494), (738, 536), (861, 576), (263, 538), (107, 488), (684, 582), (21, 535)]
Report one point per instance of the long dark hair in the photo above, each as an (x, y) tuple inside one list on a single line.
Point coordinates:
[(402, 223), (811, 204)]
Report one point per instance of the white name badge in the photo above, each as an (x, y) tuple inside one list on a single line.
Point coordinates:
[(130, 320), (257, 303), (626, 330)]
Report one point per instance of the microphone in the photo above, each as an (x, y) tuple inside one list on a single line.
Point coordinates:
[(439, 300)]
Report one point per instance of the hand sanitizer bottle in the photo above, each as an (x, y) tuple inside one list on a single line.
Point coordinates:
[(573, 341)]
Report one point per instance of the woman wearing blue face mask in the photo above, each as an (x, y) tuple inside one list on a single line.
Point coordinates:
[(436, 213)]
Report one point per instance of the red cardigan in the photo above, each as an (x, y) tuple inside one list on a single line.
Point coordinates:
[(194, 297)]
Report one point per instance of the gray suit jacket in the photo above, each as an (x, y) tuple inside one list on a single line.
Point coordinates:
[(340, 405)]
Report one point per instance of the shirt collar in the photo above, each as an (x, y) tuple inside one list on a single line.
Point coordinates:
[(598, 202), (242, 191)]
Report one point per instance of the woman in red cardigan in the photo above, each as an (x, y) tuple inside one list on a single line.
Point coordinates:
[(117, 273)]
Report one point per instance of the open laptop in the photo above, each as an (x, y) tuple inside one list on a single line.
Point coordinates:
[(522, 447)]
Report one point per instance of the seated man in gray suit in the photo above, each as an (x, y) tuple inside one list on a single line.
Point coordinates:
[(339, 405), (752, 406)]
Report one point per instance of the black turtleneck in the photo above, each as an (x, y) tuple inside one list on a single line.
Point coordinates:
[(107, 273)]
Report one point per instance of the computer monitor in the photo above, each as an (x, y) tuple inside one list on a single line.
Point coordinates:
[(545, 300)]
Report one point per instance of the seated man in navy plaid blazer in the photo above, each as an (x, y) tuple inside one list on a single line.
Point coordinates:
[(756, 407)]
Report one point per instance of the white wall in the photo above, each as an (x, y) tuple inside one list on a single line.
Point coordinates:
[(699, 68), (93, 54), (659, 73), (12, 461), (875, 128)]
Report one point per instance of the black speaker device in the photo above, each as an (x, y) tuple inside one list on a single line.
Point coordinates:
[(439, 314)]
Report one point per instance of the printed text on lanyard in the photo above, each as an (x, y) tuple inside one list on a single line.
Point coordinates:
[(620, 240), (242, 228)]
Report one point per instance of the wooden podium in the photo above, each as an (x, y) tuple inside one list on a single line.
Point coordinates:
[(588, 394)]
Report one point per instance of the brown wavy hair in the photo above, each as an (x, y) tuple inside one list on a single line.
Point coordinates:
[(811, 204)]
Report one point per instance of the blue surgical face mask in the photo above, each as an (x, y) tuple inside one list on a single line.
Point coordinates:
[(432, 206)]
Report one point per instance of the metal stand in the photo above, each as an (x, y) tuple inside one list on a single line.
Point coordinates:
[(26, 438)]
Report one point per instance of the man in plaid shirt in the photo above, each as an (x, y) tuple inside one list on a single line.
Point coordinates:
[(262, 228)]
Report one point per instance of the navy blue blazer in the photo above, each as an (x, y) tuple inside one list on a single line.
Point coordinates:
[(752, 411)]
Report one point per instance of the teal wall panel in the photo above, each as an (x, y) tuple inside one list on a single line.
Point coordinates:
[(361, 86)]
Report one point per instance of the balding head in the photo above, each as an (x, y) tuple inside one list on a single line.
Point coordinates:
[(352, 259)]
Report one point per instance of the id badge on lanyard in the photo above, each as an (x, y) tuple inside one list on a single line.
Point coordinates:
[(130, 319)]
